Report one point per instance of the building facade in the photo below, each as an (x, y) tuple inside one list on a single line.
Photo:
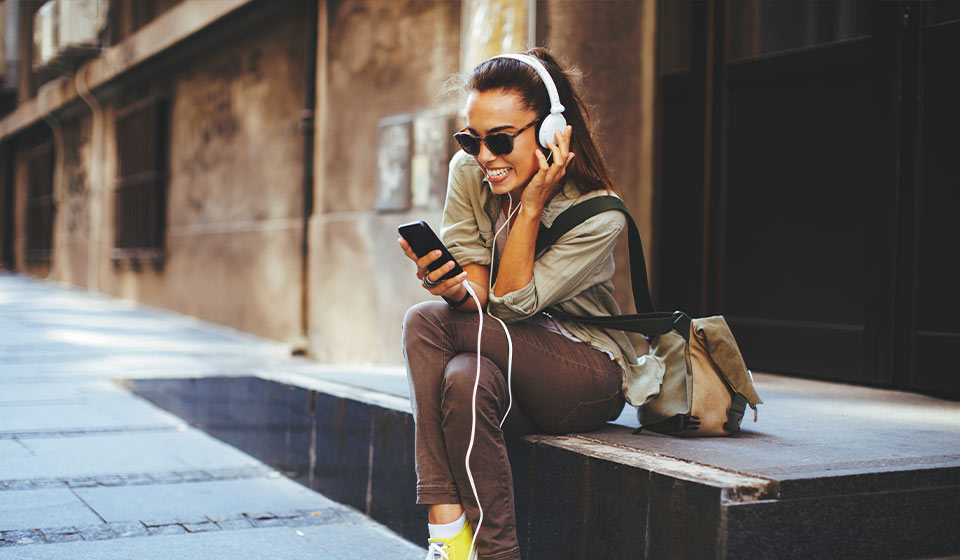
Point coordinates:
[(248, 161)]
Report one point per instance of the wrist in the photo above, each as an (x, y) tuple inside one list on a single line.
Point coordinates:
[(457, 301), (530, 213)]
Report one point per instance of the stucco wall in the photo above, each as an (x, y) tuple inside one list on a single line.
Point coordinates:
[(234, 194), (382, 59), (72, 238)]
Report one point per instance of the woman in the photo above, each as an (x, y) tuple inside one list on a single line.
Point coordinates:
[(566, 377)]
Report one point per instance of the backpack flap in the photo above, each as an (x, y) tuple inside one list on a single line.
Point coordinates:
[(714, 334)]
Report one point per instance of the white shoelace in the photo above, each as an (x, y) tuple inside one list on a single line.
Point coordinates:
[(436, 551)]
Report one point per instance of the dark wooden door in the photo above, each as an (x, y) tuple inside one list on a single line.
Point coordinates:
[(936, 285), (780, 199)]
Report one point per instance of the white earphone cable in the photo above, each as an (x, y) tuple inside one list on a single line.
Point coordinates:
[(476, 383)]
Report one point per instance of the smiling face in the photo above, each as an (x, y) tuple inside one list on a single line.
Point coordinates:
[(504, 111)]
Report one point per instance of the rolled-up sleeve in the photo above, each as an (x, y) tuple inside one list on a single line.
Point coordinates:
[(581, 258), (459, 229)]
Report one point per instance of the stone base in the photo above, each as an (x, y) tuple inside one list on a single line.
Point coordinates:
[(585, 496)]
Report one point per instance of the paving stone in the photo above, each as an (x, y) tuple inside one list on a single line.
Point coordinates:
[(11, 449), (100, 533), (171, 529), (194, 476), (110, 481), (66, 534), (129, 529), (198, 500), (21, 537), (135, 479), (279, 543), (233, 524), (201, 527), (122, 453), (30, 509), (95, 412), (361, 541)]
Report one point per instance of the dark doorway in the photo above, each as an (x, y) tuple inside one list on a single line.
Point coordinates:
[(805, 192)]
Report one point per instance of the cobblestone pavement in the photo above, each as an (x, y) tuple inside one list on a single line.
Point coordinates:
[(88, 470)]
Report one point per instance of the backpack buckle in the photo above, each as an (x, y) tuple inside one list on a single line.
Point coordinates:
[(735, 414)]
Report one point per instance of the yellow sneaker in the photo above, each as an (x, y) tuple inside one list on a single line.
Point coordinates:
[(456, 547)]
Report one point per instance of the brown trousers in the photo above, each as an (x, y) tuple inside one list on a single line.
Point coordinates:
[(559, 386)]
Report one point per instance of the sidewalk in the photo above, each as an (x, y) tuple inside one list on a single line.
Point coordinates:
[(88, 470)]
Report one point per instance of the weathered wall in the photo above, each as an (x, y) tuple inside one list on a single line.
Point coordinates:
[(72, 240), (234, 193), (381, 58)]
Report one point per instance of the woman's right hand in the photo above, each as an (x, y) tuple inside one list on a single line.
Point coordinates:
[(449, 288)]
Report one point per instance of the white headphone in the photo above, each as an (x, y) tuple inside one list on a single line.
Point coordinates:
[(554, 121)]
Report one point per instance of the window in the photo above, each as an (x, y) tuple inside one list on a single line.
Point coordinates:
[(760, 27), (40, 206), (140, 207)]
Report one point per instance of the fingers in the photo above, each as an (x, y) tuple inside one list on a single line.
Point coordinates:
[(406, 249), (449, 287), (542, 160), (424, 262), (435, 275), (563, 140)]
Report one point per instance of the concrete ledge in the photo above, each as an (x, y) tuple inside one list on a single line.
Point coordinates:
[(582, 496)]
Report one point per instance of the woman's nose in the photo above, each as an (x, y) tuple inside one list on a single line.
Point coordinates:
[(485, 155)]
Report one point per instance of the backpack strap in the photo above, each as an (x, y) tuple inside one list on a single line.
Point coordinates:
[(579, 213)]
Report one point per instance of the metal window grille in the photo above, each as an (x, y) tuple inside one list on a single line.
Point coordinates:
[(140, 209), (40, 204)]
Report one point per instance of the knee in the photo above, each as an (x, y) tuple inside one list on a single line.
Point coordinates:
[(421, 317), (459, 378)]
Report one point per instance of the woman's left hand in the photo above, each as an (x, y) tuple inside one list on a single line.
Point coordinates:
[(543, 186)]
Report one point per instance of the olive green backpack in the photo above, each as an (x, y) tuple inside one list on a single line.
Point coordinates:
[(706, 385)]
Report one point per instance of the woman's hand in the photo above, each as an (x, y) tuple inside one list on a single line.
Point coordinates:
[(450, 288), (543, 186)]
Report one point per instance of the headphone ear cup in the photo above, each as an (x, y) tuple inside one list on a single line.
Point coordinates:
[(548, 127)]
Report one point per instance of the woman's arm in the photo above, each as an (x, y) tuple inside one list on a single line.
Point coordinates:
[(581, 258), (516, 265)]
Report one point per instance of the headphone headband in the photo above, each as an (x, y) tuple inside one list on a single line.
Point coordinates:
[(555, 106)]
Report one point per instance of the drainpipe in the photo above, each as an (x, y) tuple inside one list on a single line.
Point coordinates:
[(58, 166), (307, 127), (11, 40), (96, 179)]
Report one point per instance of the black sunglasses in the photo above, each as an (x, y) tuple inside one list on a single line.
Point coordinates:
[(499, 143)]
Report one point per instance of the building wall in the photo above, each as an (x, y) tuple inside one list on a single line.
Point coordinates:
[(234, 203), (72, 236), (234, 194)]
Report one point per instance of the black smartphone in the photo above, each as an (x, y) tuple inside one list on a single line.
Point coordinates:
[(422, 240)]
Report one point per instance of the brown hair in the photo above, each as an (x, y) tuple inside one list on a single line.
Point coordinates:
[(588, 171)]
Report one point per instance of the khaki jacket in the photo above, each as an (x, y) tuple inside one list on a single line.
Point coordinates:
[(573, 275)]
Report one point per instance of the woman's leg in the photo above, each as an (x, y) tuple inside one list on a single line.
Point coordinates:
[(559, 384)]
